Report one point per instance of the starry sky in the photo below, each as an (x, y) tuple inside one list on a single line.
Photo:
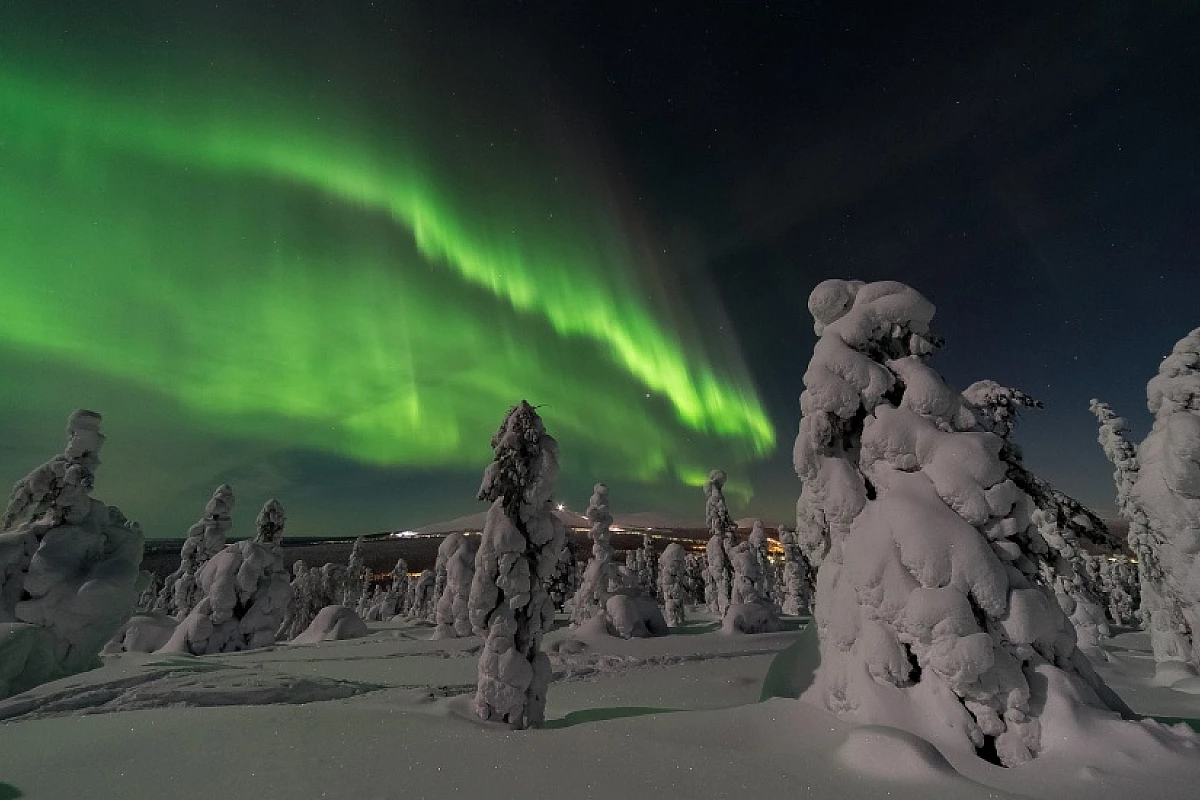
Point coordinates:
[(317, 249)]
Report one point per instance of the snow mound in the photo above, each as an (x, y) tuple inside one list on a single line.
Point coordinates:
[(143, 633), (331, 624), (633, 616)]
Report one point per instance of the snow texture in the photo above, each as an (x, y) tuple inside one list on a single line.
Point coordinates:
[(68, 566), (246, 594), (521, 542), (1158, 492), (931, 581)]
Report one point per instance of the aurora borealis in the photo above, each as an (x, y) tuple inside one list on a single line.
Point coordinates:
[(316, 249), (346, 288)]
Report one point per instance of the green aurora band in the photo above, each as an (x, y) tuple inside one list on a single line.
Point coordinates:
[(301, 282)]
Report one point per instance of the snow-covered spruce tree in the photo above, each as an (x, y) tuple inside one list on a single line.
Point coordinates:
[(929, 589), (1120, 587), (749, 611), (696, 567), (565, 581), (719, 582), (206, 538), (68, 566), (396, 596), (356, 575), (299, 613), (762, 553), (423, 604), (1061, 520), (521, 542), (452, 612), (797, 583), (1159, 494), (647, 566), (600, 577), (148, 597), (671, 574), (247, 590)]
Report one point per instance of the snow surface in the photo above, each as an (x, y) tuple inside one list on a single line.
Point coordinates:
[(390, 715)]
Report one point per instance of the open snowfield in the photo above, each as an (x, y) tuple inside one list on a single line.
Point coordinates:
[(389, 716)]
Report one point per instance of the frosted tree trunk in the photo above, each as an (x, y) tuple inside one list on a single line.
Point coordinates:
[(930, 586), (521, 541)]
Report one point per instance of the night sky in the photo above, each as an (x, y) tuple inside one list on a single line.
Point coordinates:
[(317, 249)]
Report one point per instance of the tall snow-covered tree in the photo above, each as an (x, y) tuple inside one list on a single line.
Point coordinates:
[(797, 581), (930, 588), (1158, 492), (68, 566), (423, 604), (671, 570), (356, 575), (452, 612), (761, 548), (247, 590), (521, 541), (565, 581), (600, 576), (646, 563), (181, 591), (300, 613), (721, 527)]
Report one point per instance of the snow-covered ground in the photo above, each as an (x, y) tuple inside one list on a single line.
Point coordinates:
[(390, 716)]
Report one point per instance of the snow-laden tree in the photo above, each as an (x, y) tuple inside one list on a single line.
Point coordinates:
[(761, 548), (148, 596), (1120, 582), (453, 610), (68, 566), (600, 576), (749, 610), (181, 590), (299, 613), (696, 568), (1061, 520), (565, 581), (356, 576), (1158, 492), (247, 590), (797, 582), (646, 564), (930, 591), (671, 574), (396, 596), (718, 583), (423, 604), (521, 542)]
